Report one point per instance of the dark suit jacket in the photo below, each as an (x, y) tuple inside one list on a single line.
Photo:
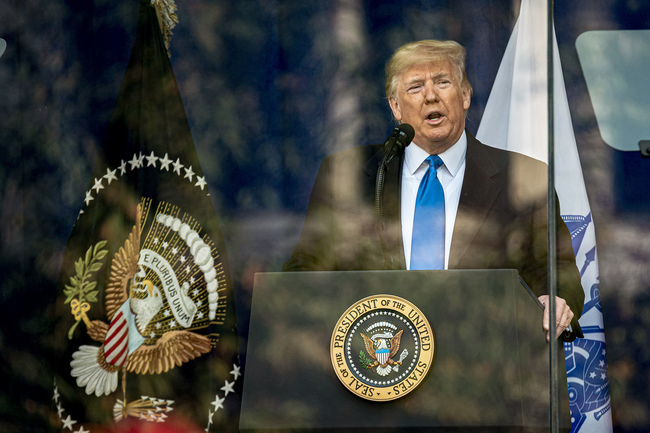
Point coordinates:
[(501, 223)]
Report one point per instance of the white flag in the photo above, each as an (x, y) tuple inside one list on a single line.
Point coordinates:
[(515, 118)]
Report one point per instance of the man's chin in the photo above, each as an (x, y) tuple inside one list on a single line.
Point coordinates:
[(436, 145)]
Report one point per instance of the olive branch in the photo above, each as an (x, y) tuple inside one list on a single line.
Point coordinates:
[(82, 290), (364, 360)]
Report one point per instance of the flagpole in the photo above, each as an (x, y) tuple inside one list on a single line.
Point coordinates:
[(552, 255)]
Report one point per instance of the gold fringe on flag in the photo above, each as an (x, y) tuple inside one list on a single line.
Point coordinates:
[(167, 18)]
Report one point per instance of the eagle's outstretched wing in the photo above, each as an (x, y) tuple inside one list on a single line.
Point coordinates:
[(370, 346), (395, 342), (123, 267), (171, 350)]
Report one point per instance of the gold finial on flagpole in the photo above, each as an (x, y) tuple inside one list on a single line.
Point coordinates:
[(167, 18)]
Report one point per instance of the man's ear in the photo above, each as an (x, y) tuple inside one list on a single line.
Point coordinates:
[(467, 98), (394, 106)]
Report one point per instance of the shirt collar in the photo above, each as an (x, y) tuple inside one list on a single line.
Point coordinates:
[(453, 157)]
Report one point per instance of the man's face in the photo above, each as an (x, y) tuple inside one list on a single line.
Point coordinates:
[(430, 99)]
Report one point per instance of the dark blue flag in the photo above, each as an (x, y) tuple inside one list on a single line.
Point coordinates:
[(145, 314)]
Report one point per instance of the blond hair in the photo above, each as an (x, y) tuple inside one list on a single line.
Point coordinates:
[(425, 51)]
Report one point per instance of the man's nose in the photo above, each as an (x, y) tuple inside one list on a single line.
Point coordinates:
[(430, 93)]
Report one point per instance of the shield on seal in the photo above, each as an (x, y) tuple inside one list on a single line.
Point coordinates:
[(382, 356), (116, 343)]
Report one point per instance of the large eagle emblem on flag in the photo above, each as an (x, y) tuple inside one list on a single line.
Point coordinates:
[(160, 290)]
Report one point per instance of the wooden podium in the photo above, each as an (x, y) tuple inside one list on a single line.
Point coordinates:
[(490, 372)]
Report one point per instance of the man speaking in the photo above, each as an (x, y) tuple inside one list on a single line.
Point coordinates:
[(448, 202)]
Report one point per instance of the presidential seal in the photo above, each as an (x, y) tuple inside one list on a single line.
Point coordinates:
[(382, 348)]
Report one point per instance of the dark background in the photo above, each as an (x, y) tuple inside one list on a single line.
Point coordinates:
[(270, 87)]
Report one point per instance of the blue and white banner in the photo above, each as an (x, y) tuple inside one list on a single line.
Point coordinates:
[(515, 118)]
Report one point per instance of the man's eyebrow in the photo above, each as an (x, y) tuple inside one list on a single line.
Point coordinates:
[(414, 79)]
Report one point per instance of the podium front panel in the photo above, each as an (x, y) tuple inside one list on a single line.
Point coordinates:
[(490, 371)]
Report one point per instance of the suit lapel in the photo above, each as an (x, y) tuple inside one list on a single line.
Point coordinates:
[(479, 191)]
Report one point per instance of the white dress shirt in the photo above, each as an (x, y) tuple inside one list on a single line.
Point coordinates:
[(451, 177)]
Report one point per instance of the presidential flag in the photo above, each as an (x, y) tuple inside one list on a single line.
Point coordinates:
[(145, 325), (515, 118)]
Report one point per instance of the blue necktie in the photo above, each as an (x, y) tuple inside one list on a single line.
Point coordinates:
[(428, 244)]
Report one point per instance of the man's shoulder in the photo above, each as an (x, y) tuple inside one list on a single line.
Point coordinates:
[(501, 158), (497, 151)]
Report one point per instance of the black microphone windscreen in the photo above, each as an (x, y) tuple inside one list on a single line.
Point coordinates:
[(408, 131)]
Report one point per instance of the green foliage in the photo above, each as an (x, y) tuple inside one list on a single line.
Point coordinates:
[(81, 288), (364, 360), (80, 285)]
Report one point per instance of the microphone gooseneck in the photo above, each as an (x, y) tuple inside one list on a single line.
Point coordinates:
[(401, 137)]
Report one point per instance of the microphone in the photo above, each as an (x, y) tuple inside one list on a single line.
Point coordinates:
[(394, 145), (401, 137)]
